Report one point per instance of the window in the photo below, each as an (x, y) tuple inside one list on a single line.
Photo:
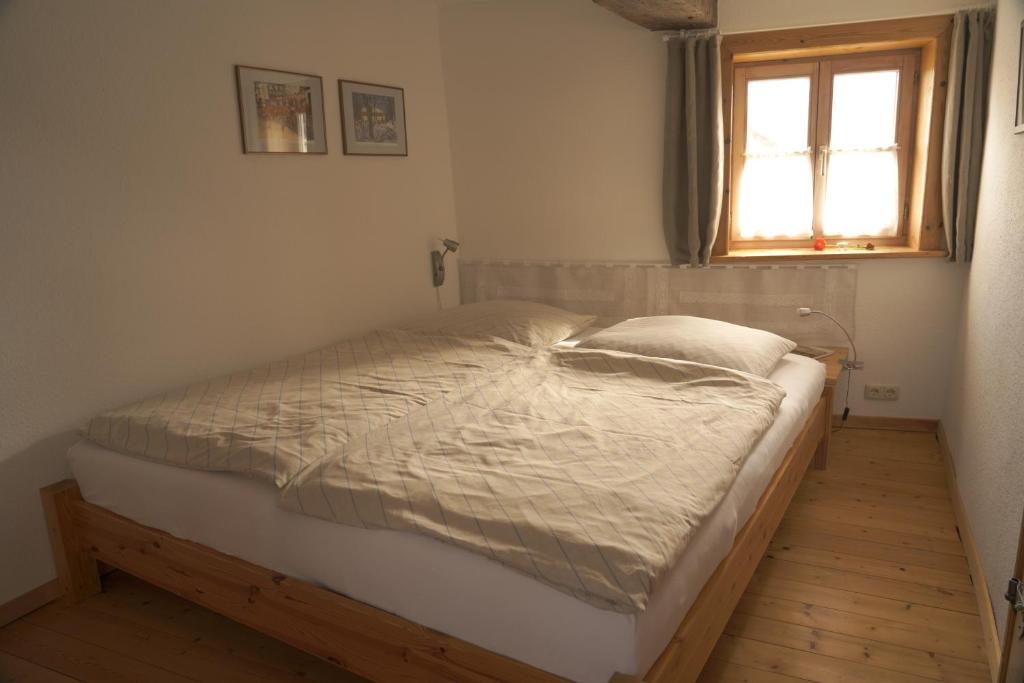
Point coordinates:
[(822, 147), (834, 131)]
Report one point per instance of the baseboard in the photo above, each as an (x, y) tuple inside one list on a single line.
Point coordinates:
[(899, 424), (39, 596), (993, 648)]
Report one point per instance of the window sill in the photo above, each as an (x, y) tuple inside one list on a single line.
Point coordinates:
[(830, 254)]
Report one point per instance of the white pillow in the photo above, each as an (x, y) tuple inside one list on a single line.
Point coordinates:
[(521, 322), (700, 340)]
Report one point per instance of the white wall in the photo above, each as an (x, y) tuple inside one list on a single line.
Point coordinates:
[(738, 16), (139, 249), (556, 113), (984, 417)]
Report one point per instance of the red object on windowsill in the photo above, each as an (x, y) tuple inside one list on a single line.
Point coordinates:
[(819, 244)]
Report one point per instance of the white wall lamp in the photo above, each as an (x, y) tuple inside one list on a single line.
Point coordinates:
[(437, 260), (846, 363)]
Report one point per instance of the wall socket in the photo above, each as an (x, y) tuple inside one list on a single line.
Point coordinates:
[(882, 392)]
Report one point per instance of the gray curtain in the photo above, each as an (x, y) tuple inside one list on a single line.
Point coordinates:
[(970, 64), (694, 147)]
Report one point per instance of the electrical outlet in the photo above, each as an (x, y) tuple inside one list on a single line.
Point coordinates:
[(882, 392)]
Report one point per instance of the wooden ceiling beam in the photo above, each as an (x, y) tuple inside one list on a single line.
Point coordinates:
[(665, 15)]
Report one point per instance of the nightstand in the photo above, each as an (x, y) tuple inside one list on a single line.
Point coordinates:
[(832, 372)]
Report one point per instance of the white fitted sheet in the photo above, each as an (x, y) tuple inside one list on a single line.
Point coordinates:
[(436, 584)]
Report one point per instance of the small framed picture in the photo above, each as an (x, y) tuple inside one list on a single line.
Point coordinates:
[(281, 111), (1018, 122), (372, 119)]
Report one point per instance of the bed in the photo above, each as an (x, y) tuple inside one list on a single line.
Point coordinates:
[(397, 605)]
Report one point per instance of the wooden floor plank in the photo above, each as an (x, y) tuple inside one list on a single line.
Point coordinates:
[(912, 455), (137, 632), (861, 565), (152, 609), (943, 598), (964, 625), (914, 460), (898, 447), (870, 534), (930, 518), (721, 671), (77, 659), (898, 450), (887, 657), (831, 489), (800, 663), (889, 470), (190, 659), (16, 670), (916, 636), (844, 514), (858, 547), (854, 479)]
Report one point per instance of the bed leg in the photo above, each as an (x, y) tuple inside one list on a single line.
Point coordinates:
[(76, 569), (820, 461)]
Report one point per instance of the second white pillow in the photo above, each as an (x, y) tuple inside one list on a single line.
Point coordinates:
[(700, 340)]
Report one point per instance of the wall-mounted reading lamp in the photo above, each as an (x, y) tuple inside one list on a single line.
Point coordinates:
[(437, 260), (848, 365)]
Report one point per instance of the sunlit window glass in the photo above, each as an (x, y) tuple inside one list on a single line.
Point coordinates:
[(776, 185), (862, 186)]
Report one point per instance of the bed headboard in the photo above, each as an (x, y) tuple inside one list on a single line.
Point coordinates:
[(762, 296)]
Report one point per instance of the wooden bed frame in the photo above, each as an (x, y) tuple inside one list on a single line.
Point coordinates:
[(368, 641)]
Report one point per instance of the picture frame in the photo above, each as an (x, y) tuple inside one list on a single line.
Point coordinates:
[(372, 119), (1018, 121), (281, 112)]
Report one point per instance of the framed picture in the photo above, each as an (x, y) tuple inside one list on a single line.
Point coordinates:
[(372, 119), (1018, 122), (281, 111)]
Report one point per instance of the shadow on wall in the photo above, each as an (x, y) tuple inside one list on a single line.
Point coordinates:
[(21, 513)]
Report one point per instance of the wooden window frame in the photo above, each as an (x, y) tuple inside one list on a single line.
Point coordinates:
[(928, 38), (821, 70)]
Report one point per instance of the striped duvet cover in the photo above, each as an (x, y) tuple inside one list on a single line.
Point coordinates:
[(588, 470), (270, 422)]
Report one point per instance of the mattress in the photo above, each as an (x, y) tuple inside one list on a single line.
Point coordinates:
[(436, 584)]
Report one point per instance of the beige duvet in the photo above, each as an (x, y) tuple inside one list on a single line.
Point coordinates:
[(588, 470), (271, 421)]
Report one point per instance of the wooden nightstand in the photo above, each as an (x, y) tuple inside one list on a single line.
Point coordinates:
[(832, 372)]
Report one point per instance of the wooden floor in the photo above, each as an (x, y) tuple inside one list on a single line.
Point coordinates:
[(135, 632), (865, 581)]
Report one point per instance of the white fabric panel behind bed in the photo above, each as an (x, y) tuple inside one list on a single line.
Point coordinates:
[(435, 584), (762, 296)]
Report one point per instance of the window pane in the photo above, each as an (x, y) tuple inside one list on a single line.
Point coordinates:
[(862, 195), (862, 186), (864, 109), (776, 197), (776, 185), (777, 111)]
